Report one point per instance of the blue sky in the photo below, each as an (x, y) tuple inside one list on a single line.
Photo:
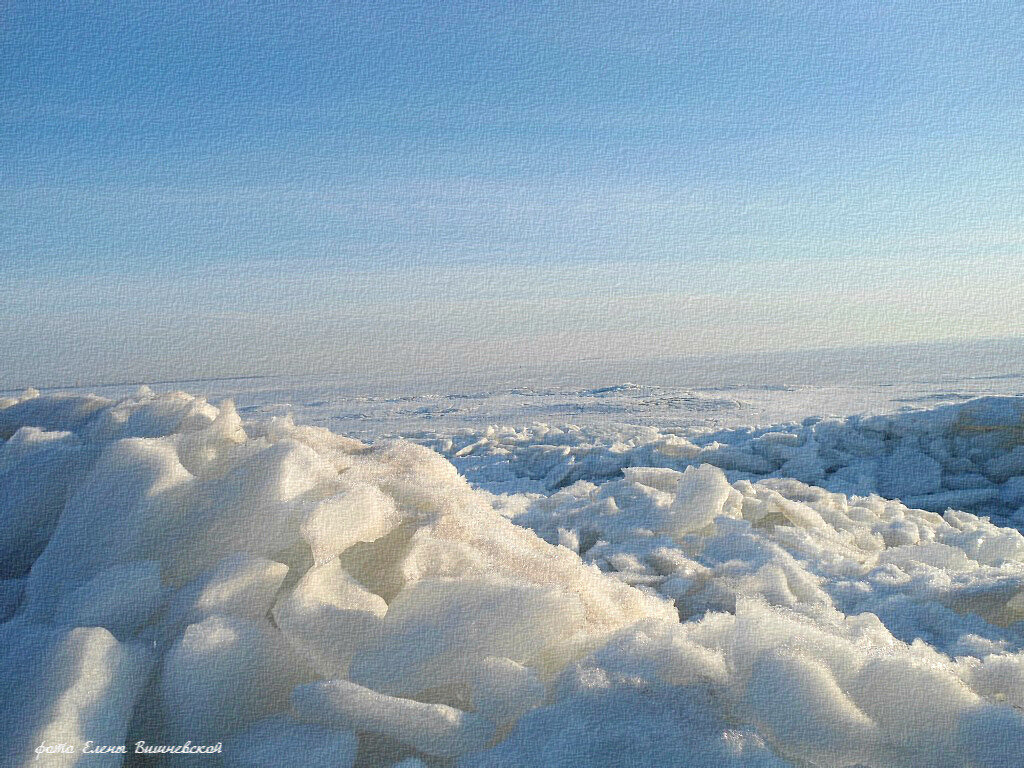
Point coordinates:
[(261, 187)]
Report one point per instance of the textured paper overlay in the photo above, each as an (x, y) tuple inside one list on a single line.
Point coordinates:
[(511, 384)]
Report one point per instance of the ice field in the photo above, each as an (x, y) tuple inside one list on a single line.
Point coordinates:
[(512, 384), (759, 573)]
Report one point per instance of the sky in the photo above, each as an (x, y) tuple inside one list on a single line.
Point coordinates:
[(207, 189)]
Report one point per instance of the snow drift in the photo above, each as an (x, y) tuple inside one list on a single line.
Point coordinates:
[(171, 574)]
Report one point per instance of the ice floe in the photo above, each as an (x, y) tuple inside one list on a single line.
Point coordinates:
[(814, 594)]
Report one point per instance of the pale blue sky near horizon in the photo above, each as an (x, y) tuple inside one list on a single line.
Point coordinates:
[(193, 189)]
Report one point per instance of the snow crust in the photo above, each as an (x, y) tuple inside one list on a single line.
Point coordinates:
[(815, 594)]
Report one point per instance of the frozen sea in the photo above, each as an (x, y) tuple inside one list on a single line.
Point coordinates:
[(728, 391), (785, 559)]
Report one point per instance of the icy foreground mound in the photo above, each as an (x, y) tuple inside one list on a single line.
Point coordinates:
[(172, 574)]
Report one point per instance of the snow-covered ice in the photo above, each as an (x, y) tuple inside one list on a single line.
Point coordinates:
[(598, 587)]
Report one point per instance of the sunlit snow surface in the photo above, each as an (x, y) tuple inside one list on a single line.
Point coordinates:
[(611, 575)]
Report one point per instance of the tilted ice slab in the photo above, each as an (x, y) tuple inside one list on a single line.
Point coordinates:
[(171, 573)]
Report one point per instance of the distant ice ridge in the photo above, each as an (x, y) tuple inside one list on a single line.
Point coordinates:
[(172, 573), (967, 456)]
